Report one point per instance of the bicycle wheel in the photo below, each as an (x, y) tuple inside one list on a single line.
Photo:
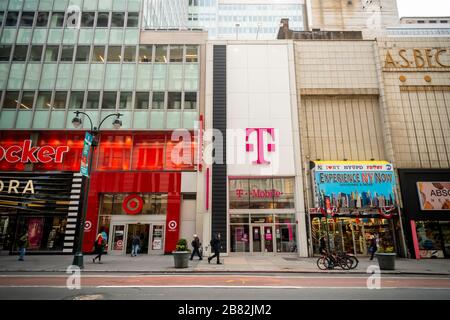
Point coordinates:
[(323, 263), (345, 263), (354, 261)]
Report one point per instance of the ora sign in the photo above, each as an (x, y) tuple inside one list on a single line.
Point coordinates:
[(25, 153), (13, 186)]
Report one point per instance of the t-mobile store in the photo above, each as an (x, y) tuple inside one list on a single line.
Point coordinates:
[(135, 188), (257, 197)]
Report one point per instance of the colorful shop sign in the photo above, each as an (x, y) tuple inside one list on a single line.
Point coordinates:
[(354, 186), (434, 195)]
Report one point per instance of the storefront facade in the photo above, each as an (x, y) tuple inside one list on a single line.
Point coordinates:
[(39, 190), (354, 201), (135, 188), (256, 203), (426, 203)]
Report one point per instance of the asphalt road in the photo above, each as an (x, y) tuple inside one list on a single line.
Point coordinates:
[(46, 286)]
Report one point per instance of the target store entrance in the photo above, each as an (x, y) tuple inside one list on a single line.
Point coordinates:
[(129, 218), (143, 206)]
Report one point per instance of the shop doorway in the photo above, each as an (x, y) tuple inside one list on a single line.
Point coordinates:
[(262, 239), (151, 236), (142, 231)]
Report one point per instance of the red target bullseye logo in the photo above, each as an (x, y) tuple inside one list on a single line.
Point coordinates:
[(132, 204)]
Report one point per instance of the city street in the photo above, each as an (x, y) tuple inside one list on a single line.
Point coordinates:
[(227, 287)]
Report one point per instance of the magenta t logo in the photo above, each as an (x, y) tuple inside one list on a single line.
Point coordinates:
[(260, 143)]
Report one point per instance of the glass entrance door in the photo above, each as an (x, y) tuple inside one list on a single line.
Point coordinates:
[(142, 231), (262, 238), (117, 240)]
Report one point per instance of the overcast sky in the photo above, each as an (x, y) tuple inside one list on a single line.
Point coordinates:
[(423, 7)]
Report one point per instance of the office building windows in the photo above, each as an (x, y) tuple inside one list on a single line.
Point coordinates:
[(158, 100), (76, 100), (129, 54), (11, 99), (92, 100), (20, 53), (87, 19), (176, 53), (133, 20), (109, 100), (125, 101), (36, 53), (82, 53), (102, 19), (142, 101), (12, 18), (67, 53), (27, 19), (98, 54), (51, 53), (174, 100), (117, 20), (27, 100), (191, 53), (161, 53), (57, 19), (44, 99), (5, 53), (145, 53), (60, 100), (190, 100), (114, 53)]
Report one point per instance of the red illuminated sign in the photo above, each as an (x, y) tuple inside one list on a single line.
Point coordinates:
[(132, 204), (25, 153)]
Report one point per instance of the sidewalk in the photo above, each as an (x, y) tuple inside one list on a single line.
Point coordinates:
[(235, 264)]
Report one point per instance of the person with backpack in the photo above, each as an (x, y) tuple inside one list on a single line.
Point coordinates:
[(23, 244), (196, 246), (99, 246), (215, 245)]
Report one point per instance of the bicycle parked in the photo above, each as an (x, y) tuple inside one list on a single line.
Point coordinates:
[(330, 261)]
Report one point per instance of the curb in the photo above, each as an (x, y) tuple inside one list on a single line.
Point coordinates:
[(337, 272)]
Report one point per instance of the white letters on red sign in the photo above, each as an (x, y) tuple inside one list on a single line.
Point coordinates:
[(26, 153)]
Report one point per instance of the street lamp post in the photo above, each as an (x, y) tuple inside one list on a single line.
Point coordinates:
[(77, 123)]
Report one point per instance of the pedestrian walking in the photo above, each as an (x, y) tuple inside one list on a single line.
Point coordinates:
[(373, 246), (135, 244), (196, 247), (322, 246), (99, 246), (23, 244), (215, 245)]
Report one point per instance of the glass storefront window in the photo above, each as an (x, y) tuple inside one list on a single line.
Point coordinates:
[(276, 193), (284, 199), (430, 240), (284, 218), (239, 218), (154, 203), (286, 237), (238, 194), (240, 239), (261, 218), (44, 233), (261, 196)]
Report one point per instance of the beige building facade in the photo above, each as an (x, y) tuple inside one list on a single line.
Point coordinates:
[(363, 102)]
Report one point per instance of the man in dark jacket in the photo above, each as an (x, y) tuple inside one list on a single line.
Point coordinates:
[(215, 245), (196, 246)]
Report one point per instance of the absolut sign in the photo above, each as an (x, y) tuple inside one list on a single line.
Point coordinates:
[(26, 153)]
